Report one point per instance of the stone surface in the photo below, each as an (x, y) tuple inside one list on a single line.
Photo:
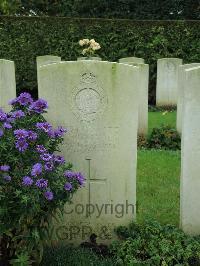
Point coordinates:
[(7, 83), (131, 60), (181, 73), (89, 58), (99, 104), (46, 59), (167, 81), (190, 154), (143, 97)]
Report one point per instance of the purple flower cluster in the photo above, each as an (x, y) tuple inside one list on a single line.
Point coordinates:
[(57, 133), (44, 126), (42, 183), (23, 99), (3, 116), (17, 114), (75, 175), (38, 106), (22, 135)]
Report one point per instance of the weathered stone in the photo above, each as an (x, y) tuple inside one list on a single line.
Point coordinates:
[(167, 81), (98, 102), (143, 97), (7, 83), (181, 73), (46, 59), (190, 154), (131, 60)]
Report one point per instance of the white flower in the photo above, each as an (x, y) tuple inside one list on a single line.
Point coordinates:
[(81, 42)]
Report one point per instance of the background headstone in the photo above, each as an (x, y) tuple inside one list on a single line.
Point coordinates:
[(131, 60), (167, 81), (143, 96), (190, 154), (99, 104), (7, 83), (181, 73)]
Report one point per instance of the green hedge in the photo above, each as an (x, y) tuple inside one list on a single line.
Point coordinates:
[(24, 38)]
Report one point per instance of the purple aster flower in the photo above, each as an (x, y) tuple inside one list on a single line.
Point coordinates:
[(10, 120), (20, 133), (48, 166), (4, 168), (48, 195), (1, 133), (51, 133), (17, 114), (21, 145), (46, 157), (31, 135), (24, 99), (42, 183), (7, 178), (3, 116), (60, 131), (7, 125), (69, 174), (59, 159), (44, 126), (27, 181), (80, 178), (41, 148), (38, 106), (37, 169), (13, 101), (68, 186)]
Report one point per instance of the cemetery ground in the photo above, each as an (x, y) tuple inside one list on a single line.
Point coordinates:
[(158, 185)]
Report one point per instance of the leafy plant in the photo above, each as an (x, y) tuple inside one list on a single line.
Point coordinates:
[(164, 137), (153, 244), (35, 182)]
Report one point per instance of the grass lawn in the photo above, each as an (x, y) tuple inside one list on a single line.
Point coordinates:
[(158, 184), (156, 119)]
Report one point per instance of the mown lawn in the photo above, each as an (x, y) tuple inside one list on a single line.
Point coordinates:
[(158, 184), (156, 119)]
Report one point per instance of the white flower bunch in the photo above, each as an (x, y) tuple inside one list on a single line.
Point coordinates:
[(91, 46)]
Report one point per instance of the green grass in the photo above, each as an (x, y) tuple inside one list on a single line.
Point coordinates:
[(156, 119), (158, 185)]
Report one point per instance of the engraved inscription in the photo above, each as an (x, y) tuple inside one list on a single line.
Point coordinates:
[(87, 140), (88, 101)]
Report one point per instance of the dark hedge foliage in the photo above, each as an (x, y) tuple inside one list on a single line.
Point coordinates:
[(24, 38), (133, 9)]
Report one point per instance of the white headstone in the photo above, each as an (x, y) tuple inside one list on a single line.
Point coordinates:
[(143, 97), (167, 81), (99, 104), (131, 60), (190, 154), (46, 59), (7, 83), (181, 73)]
